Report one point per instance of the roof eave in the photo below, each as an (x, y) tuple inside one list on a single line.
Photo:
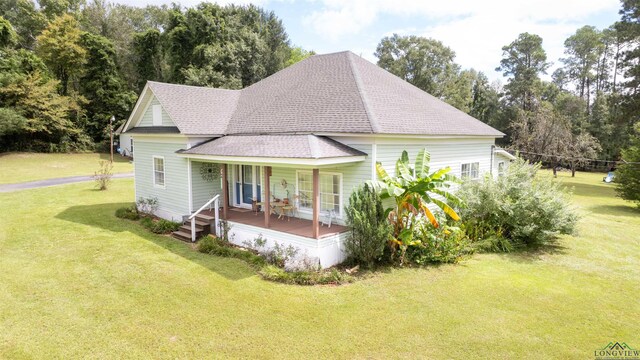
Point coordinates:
[(307, 162)]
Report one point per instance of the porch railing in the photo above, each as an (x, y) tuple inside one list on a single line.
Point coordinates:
[(216, 205)]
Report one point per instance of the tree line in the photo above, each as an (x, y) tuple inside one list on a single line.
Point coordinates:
[(586, 111), (67, 66)]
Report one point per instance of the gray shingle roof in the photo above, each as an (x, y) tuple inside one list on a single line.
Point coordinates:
[(278, 146), (195, 109), (318, 94), (332, 93)]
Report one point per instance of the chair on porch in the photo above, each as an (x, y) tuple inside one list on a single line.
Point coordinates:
[(256, 206), (328, 217), (292, 209)]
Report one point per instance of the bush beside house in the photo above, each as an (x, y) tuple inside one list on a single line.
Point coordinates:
[(519, 208), (370, 230), (415, 233)]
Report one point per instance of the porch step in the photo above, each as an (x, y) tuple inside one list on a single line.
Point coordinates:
[(205, 218), (181, 235), (203, 227), (200, 223), (187, 228)]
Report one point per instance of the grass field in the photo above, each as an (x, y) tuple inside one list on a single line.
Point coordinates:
[(22, 167), (77, 282)]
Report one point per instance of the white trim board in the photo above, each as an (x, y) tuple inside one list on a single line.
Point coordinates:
[(291, 162)]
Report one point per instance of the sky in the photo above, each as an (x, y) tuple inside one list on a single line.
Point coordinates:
[(475, 30)]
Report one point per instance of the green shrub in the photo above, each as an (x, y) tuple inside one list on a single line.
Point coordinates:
[(494, 243), (148, 205), (102, 177), (519, 206), (442, 244), (279, 254), (159, 226), (130, 213), (322, 277), (370, 230), (628, 174), (216, 246)]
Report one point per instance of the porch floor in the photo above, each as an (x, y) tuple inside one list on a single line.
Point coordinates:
[(295, 226)]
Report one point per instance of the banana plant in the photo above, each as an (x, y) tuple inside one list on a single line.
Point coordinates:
[(414, 188)]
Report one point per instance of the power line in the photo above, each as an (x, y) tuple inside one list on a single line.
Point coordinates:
[(579, 158)]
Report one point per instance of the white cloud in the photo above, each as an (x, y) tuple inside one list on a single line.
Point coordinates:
[(476, 30)]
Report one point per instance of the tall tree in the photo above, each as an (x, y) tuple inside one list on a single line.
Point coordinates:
[(55, 8), (102, 86), (59, 46), (48, 126), (27, 21), (629, 27), (601, 126), (485, 105), (628, 173), (427, 64), (7, 34), (298, 54), (546, 134), (523, 61), (148, 56), (584, 49)]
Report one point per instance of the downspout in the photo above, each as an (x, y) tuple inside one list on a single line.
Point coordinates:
[(493, 150)]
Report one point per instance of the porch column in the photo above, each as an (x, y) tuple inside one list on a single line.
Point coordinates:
[(225, 191), (315, 202), (267, 196)]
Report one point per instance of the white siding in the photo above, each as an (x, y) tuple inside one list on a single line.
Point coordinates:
[(147, 117), (173, 198), (203, 190), (125, 145), (497, 159), (329, 250), (445, 152)]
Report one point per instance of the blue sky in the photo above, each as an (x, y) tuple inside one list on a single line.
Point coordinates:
[(475, 30)]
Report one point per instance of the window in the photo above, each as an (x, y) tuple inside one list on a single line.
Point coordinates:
[(470, 170), (157, 115), (158, 171), (131, 149), (330, 191), (501, 168)]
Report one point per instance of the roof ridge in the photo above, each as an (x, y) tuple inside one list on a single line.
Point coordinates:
[(193, 86), (375, 128), (314, 147)]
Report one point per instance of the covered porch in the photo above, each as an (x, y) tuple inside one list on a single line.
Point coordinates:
[(276, 173)]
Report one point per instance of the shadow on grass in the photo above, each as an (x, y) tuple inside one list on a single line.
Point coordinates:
[(615, 210), (102, 216), (528, 254), (589, 190)]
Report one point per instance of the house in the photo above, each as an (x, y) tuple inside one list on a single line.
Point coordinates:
[(310, 133), (125, 142)]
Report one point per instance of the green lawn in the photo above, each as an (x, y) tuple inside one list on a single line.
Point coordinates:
[(21, 167), (77, 282)]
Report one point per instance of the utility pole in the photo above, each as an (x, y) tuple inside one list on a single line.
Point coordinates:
[(111, 135)]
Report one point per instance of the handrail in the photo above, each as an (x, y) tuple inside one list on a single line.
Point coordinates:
[(215, 200)]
